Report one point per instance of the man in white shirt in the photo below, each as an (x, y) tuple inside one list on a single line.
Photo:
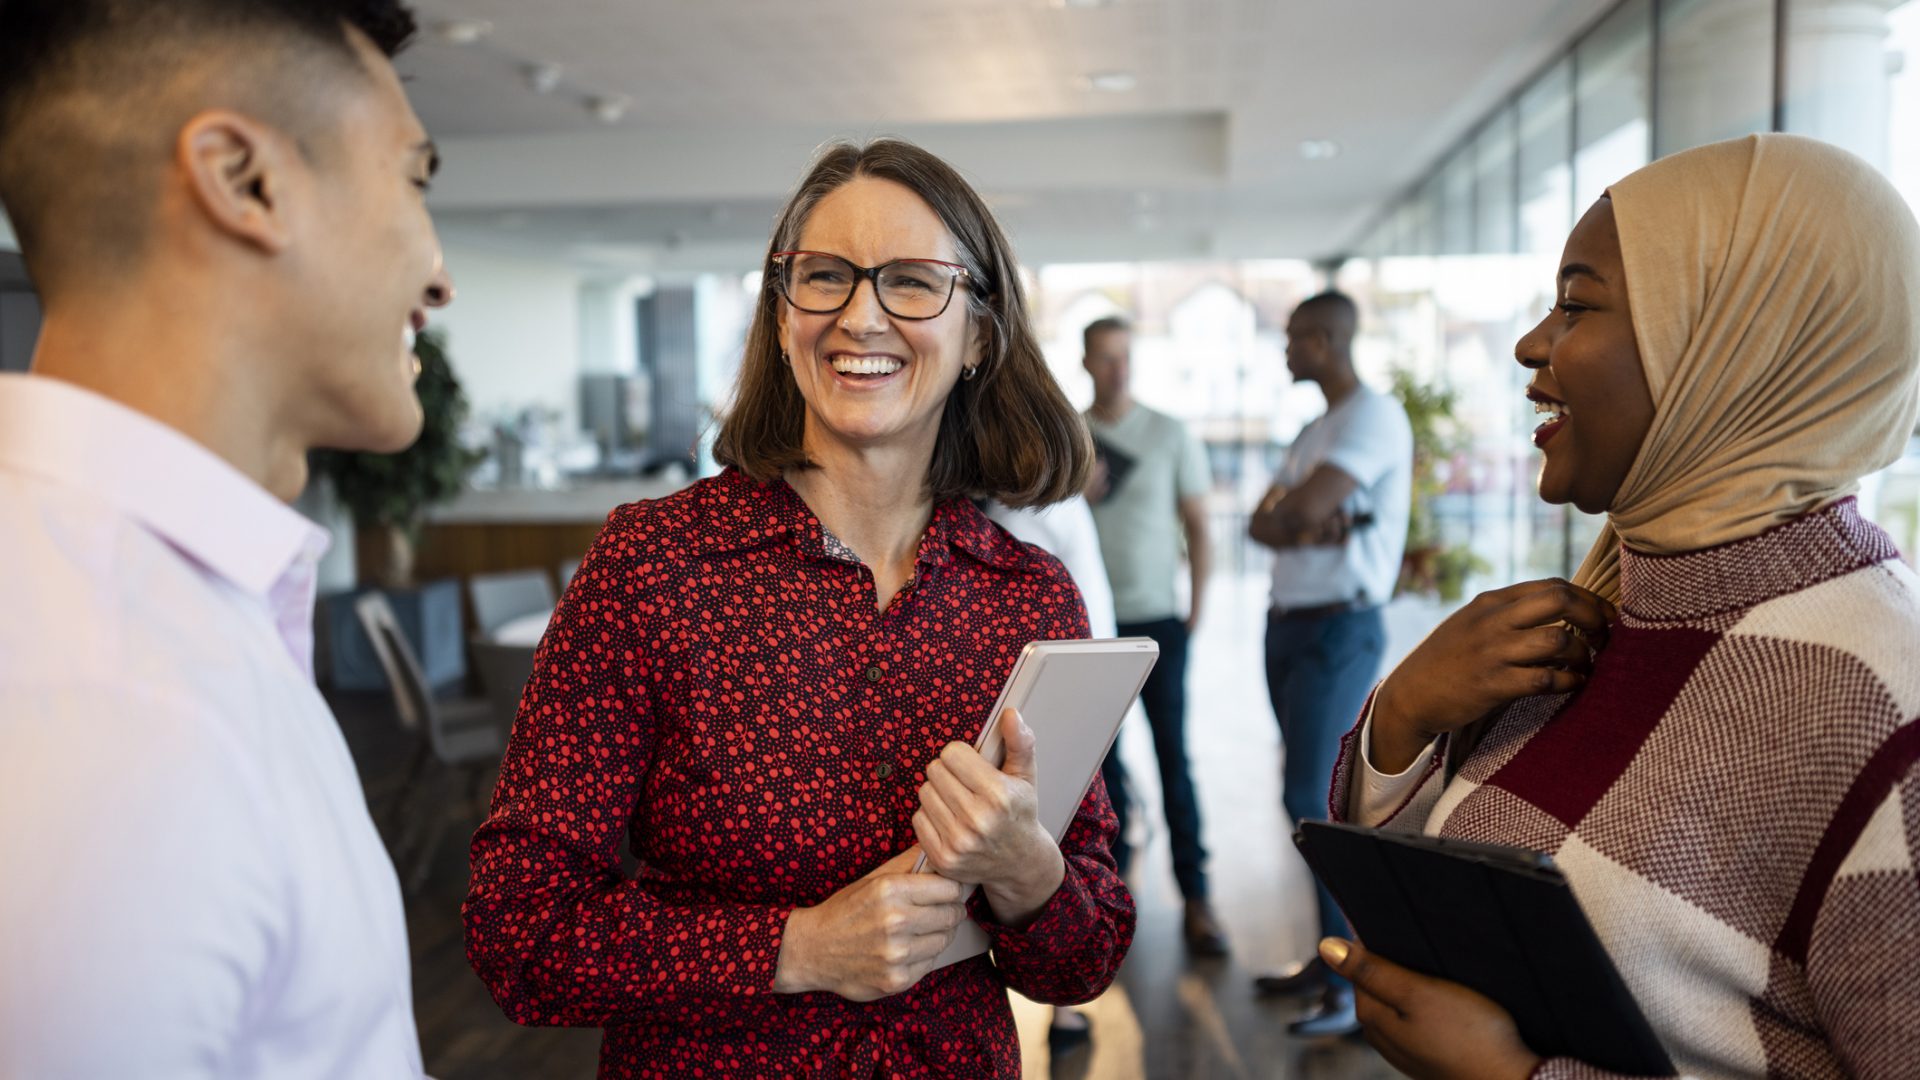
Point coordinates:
[(220, 203), (1336, 519)]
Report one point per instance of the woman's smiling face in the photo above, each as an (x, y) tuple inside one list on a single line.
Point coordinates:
[(870, 379), (1587, 379)]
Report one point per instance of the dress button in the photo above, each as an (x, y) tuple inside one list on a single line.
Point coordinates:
[(882, 771), (873, 674)]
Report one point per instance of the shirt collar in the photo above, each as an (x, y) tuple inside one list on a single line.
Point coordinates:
[(754, 513), (175, 487)]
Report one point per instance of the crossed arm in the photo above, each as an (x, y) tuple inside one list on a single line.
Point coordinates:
[(1305, 515)]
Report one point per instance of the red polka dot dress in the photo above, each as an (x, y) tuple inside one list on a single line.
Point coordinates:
[(718, 692)]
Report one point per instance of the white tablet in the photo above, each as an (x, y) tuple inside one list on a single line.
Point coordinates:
[(1073, 694)]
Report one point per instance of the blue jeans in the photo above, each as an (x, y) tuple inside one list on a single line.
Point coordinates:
[(1165, 699), (1319, 669)]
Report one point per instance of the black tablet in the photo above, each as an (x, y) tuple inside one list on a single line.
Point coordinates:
[(1497, 919)]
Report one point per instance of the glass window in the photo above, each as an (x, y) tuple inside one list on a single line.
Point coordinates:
[(1716, 72), (1546, 161), (1493, 166), (1456, 203), (1853, 79), (1424, 238), (1612, 114)]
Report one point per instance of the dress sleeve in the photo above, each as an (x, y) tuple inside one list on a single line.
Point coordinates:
[(1072, 949), (558, 934)]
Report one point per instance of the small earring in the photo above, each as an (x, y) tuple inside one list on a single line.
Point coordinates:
[(785, 359), (967, 374)]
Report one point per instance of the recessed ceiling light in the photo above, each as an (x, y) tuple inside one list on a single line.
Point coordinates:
[(609, 108), (462, 31), (1081, 3), (1319, 149), (541, 78), (1109, 82)]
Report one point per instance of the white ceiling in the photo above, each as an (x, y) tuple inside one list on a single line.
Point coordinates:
[(1200, 159)]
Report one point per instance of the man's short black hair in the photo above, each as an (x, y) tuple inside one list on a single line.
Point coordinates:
[(1332, 302), (1106, 325), (84, 100)]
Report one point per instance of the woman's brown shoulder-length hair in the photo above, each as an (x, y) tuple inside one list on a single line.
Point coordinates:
[(1008, 433)]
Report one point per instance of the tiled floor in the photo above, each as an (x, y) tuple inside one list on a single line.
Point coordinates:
[(1166, 1017)]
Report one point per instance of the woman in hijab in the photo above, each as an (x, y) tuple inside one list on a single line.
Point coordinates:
[(1713, 731)]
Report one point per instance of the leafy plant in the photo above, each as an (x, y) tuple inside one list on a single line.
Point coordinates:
[(1430, 566), (393, 489)]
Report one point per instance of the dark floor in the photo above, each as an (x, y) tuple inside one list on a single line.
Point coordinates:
[(1166, 1017)]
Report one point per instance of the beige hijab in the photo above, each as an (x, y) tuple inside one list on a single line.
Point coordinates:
[(1773, 281)]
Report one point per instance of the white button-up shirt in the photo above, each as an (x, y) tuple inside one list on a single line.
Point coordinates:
[(190, 885)]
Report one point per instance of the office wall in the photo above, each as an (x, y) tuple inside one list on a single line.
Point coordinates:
[(513, 333)]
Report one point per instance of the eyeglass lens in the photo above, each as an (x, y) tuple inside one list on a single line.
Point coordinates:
[(909, 288)]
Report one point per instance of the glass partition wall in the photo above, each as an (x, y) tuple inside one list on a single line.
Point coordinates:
[(1453, 272)]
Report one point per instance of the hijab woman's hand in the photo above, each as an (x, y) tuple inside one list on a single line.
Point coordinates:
[(1430, 1029), (1537, 637)]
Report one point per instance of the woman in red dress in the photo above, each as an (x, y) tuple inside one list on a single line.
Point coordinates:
[(767, 685)]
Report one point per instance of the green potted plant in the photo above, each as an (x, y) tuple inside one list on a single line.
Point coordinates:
[(388, 494), (1430, 566)]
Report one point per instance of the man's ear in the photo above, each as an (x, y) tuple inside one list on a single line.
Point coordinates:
[(238, 171)]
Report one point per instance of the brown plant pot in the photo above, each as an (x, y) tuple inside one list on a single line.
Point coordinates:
[(385, 554)]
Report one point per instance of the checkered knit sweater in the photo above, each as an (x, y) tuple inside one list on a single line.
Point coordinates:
[(1735, 800)]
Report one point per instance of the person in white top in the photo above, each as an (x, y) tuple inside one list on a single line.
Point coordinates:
[(220, 203), (1066, 531), (1336, 519)]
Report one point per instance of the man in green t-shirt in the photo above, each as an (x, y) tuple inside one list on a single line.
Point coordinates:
[(1149, 503)]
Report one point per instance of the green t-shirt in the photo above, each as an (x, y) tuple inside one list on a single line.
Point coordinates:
[(1153, 464)]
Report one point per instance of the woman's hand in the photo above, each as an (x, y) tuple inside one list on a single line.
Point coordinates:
[(875, 938), (1429, 1028), (981, 825), (1504, 645)]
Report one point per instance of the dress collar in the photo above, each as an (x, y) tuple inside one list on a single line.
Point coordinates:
[(750, 513)]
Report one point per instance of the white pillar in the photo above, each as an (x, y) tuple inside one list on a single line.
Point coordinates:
[(1837, 79), (609, 326)]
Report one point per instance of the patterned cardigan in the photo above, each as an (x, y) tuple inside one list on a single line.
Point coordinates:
[(1735, 799)]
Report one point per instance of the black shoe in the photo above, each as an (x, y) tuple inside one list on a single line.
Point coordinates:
[(1069, 1031), (1202, 931), (1332, 1017), (1310, 979)]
